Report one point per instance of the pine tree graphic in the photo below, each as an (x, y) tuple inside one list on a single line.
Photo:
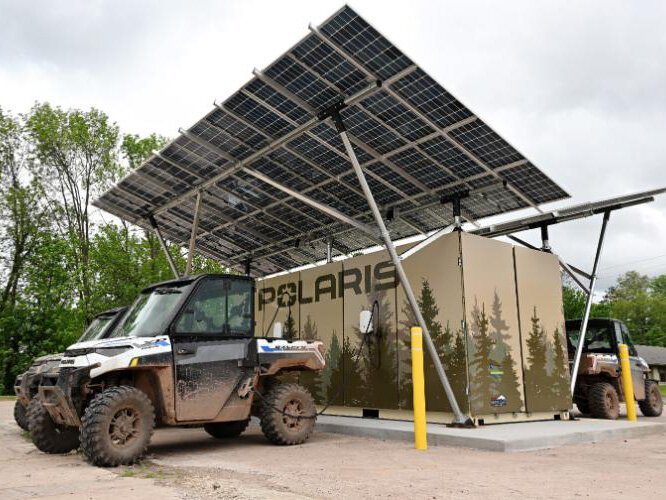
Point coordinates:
[(536, 376), (442, 339), (507, 395), (348, 372), (457, 371), (309, 329), (325, 389), (482, 381), (560, 375), (289, 327)]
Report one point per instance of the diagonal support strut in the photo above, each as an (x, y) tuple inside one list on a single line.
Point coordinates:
[(459, 417)]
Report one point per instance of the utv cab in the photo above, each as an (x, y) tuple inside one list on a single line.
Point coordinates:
[(598, 390), (185, 353), (26, 384)]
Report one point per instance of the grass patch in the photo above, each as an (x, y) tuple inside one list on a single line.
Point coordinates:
[(662, 388), (7, 398), (147, 470), (26, 435)]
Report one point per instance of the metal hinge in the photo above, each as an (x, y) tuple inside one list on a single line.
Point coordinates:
[(459, 261)]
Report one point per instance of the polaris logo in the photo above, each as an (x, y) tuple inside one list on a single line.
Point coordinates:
[(67, 361)]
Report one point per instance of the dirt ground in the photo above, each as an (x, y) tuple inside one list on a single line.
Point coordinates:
[(187, 463)]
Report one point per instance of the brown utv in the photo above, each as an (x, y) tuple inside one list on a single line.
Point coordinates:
[(598, 391)]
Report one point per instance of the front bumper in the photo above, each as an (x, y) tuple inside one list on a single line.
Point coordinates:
[(58, 398), (59, 406)]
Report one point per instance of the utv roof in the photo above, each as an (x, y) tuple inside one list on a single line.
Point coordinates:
[(246, 170), (112, 312), (186, 280)]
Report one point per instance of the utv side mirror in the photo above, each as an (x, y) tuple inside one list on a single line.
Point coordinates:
[(365, 322), (277, 330)]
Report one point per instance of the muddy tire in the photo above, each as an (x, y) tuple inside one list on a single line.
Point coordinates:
[(653, 404), (117, 426), (225, 430), (21, 415), (583, 406), (48, 436), (604, 401), (280, 407)]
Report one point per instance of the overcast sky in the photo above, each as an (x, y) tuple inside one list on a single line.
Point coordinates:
[(578, 87)]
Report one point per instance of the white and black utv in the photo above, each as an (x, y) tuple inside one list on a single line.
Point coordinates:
[(184, 353), (25, 385)]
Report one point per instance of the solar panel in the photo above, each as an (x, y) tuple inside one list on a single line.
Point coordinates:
[(415, 141), (568, 214)]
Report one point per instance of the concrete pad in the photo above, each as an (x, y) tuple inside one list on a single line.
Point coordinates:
[(524, 436)]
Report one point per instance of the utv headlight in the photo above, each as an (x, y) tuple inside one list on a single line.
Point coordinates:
[(72, 353)]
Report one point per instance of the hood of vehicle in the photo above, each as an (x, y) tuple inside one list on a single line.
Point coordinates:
[(127, 342)]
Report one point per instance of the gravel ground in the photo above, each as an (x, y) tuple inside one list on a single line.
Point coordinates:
[(187, 463)]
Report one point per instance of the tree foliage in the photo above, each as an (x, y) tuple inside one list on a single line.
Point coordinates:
[(61, 262), (636, 299)]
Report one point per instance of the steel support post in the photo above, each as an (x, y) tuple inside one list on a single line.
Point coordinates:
[(193, 237), (459, 417), (588, 303), (163, 244)]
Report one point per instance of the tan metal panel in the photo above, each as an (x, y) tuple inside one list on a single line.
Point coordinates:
[(493, 333), (436, 278), (545, 362), (321, 313), (371, 378)]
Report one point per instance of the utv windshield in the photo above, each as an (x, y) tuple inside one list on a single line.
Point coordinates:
[(150, 313), (219, 307), (96, 329), (598, 338)]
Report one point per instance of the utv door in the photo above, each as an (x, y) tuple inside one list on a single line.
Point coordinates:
[(210, 341), (636, 365)]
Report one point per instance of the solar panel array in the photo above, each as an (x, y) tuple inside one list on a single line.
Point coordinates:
[(568, 214), (415, 141)]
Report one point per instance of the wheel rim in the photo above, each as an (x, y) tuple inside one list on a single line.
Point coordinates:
[(291, 411), (610, 403), (124, 427), (655, 395)]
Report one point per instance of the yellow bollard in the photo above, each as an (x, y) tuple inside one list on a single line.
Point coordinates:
[(418, 385), (627, 384)]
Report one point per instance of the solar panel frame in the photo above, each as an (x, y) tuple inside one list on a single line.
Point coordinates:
[(415, 142)]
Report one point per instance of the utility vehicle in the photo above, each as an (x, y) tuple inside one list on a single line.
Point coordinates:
[(598, 389), (25, 385), (184, 354)]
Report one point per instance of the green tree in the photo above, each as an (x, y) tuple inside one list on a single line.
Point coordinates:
[(75, 152)]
